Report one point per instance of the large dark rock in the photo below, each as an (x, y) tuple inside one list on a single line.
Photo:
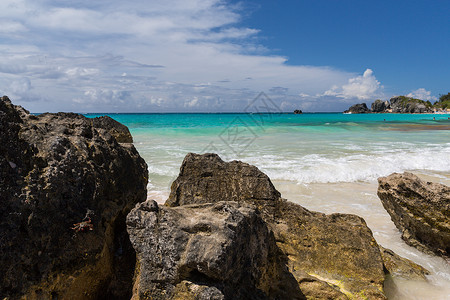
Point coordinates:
[(402, 104), (338, 249), (358, 109), (207, 251), (116, 129), (379, 106), (207, 178), (57, 170), (420, 210)]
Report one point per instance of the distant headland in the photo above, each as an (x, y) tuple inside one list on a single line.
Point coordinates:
[(403, 104)]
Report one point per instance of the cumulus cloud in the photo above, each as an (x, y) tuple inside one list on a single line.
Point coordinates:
[(422, 94), (361, 87), (151, 55)]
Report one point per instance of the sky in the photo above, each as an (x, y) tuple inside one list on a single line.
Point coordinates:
[(218, 56)]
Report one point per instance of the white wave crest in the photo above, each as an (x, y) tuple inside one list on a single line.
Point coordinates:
[(358, 167)]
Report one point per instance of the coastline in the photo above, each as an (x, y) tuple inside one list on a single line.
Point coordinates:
[(324, 162)]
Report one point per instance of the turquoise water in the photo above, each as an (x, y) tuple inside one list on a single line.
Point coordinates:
[(307, 148), (325, 162)]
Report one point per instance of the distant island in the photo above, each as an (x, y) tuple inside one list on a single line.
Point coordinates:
[(403, 104)]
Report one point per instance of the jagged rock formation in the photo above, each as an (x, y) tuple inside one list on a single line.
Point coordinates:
[(402, 267), (358, 109), (298, 111), (114, 128), (380, 106), (57, 170), (337, 248), (207, 251), (402, 104), (207, 178), (399, 104), (420, 210)]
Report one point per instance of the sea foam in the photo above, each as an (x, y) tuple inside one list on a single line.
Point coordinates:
[(316, 168)]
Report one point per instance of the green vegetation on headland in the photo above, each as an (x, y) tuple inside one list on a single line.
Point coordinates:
[(444, 102), (403, 104)]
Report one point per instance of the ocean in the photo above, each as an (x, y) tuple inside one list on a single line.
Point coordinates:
[(327, 162)]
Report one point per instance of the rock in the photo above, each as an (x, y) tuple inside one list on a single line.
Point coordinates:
[(402, 267), (420, 210), (314, 288), (402, 104), (116, 129), (380, 106), (298, 111), (338, 249), (207, 251), (399, 104), (57, 170), (358, 109), (207, 178)]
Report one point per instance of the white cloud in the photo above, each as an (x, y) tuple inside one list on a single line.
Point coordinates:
[(361, 87), (11, 27), (81, 72), (77, 52), (422, 94), (191, 103)]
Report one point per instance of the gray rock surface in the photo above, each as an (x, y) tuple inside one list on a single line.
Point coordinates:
[(338, 249), (399, 104), (358, 109), (207, 251), (57, 170), (379, 106), (420, 210), (207, 178), (402, 104)]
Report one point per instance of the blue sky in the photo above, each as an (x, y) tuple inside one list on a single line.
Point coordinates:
[(406, 43), (213, 55)]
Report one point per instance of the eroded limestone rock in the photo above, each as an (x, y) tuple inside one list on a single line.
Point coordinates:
[(401, 267), (57, 170), (338, 249), (207, 178), (207, 251), (420, 210)]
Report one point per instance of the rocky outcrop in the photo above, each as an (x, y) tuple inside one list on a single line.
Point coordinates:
[(207, 251), (402, 104), (358, 109), (114, 128), (399, 104), (420, 210), (338, 251), (402, 267), (57, 170), (298, 111), (207, 178), (379, 106)]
